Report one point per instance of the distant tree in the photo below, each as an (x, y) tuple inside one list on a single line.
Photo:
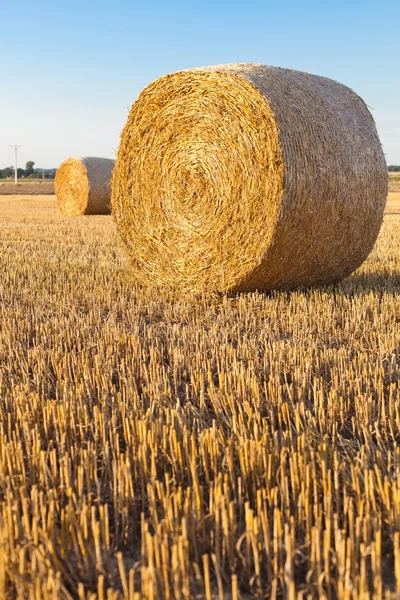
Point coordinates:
[(395, 168), (7, 172), (29, 168)]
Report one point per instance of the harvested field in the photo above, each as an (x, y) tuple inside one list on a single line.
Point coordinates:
[(393, 204), (394, 182), (231, 447), (33, 188)]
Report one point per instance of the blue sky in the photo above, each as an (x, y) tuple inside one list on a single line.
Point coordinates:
[(71, 70)]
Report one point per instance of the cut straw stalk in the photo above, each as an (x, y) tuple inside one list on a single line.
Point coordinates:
[(244, 177), (83, 186)]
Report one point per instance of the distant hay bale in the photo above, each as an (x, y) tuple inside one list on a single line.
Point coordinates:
[(83, 186), (244, 177)]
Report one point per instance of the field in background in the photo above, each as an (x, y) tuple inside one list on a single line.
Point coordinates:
[(232, 447), (24, 187), (394, 182), (393, 203)]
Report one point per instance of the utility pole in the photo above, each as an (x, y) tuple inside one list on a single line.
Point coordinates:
[(15, 162)]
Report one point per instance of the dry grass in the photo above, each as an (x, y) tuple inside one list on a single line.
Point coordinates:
[(247, 177), (225, 448), (393, 202), (394, 182), (38, 187)]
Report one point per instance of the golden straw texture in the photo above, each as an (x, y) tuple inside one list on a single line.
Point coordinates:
[(243, 177), (83, 186)]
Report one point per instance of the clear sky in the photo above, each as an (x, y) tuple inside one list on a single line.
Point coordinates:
[(71, 70)]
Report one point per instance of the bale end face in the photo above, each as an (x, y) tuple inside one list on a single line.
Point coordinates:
[(72, 187)]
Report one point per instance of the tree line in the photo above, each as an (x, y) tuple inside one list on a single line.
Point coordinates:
[(394, 168), (29, 171)]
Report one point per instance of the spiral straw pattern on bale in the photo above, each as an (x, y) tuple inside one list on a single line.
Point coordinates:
[(244, 177), (83, 186)]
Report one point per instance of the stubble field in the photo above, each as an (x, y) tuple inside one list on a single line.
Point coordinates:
[(32, 187), (394, 181), (229, 447)]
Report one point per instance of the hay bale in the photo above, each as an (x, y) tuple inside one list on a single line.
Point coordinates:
[(244, 177), (83, 186)]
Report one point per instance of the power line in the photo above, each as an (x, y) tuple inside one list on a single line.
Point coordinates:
[(15, 161)]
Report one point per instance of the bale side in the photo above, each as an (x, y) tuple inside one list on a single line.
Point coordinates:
[(99, 173), (244, 177), (83, 186)]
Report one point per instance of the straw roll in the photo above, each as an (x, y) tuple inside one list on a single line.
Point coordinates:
[(243, 177), (83, 186)]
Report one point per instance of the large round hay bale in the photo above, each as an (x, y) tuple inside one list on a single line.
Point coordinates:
[(83, 186), (244, 177)]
